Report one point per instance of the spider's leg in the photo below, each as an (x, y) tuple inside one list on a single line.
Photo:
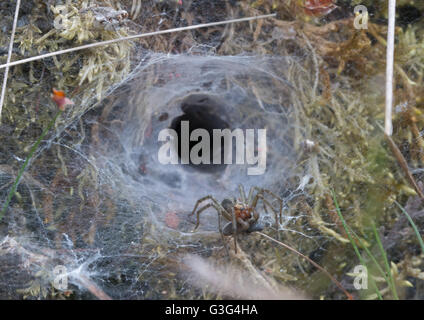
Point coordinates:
[(218, 207), (255, 200), (280, 201), (250, 197), (234, 230), (225, 212), (200, 211), (242, 194), (199, 202), (266, 202), (244, 224), (220, 228), (264, 206)]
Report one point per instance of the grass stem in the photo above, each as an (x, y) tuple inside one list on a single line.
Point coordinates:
[(386, 262), (29, 157), (355, 247), (420, 238)]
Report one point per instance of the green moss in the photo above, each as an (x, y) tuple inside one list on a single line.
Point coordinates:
[(337, 103)]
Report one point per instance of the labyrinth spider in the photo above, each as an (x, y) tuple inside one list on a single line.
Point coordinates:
[(241, 213)]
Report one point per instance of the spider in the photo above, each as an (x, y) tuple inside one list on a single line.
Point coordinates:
[(241, 213)]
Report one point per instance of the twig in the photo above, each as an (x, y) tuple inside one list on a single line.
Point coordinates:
[(103, 43), (241, 255), (92, 287), (388, 128), (9, 55), (403, 164), (337, 283)]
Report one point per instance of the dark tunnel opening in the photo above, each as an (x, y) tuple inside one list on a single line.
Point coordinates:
[(202, 112)]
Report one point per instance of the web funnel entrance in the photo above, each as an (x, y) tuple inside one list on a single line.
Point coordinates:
[(125, 204)]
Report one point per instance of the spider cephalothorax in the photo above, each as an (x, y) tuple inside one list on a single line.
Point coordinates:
[(240, 213), (246, 217)]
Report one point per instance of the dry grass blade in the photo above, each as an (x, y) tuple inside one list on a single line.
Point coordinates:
[(9, 56), (389, 67), (403, 164), (337, 283), (103, 43)]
